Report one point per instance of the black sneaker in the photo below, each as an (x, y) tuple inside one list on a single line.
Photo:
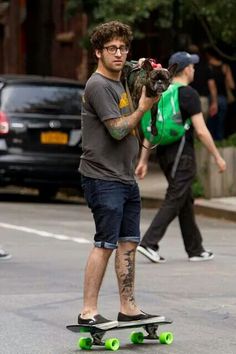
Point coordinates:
[(204, 256), (143, 316), (151, 254), (97, 321), (4, 255)]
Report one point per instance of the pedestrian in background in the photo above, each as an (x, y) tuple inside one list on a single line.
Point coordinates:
[(204, 83), (107, 165), (230, 126), (178, 199), (224, 82)]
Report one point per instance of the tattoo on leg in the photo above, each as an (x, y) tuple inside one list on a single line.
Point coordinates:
[(126, 274)]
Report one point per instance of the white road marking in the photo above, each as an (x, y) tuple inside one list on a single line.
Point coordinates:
[(60, 237)]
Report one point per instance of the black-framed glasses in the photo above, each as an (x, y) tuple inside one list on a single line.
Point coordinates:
[(112, 49)]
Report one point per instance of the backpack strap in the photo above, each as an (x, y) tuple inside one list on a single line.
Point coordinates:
[(136, 131), (178, 156), (181, 145)]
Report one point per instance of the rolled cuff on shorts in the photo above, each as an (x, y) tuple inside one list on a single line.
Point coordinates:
[(112, 246), (135, 239), (107, 245)]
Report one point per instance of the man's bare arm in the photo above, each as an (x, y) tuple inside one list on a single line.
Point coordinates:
[(213, 94), (142, 167), (206, 138), (213, 90)]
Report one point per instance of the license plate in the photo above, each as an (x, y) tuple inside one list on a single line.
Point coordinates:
[(54, 138)]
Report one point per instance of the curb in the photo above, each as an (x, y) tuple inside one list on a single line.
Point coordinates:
[(215, 212), (200, 209)]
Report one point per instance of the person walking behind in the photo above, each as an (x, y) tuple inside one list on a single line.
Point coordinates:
[(4, 255), (224, 81), (204, 83), (107, 165), (178, 200)]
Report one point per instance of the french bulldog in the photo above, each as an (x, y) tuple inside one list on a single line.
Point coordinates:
[(153, 76)]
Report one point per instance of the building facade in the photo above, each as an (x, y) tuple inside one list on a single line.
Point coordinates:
[(36, 38)]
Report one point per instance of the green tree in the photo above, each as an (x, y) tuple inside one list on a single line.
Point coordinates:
[(216, 16)]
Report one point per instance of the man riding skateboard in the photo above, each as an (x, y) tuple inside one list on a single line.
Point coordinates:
[(107, 166)]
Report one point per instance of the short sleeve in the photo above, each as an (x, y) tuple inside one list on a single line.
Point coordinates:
[(103, 100), (189, 101)]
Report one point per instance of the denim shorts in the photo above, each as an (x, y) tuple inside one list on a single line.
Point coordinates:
[(116, 211)]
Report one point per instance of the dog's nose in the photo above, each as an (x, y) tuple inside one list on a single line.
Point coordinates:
[(157, 84)]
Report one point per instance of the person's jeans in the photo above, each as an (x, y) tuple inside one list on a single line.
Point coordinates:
[(116, 211), (178, 202), (216, 124)]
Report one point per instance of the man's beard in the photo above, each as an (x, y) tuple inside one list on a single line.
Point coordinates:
[(110, 67)]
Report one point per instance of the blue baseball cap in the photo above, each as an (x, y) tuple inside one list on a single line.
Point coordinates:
[(183, 59)]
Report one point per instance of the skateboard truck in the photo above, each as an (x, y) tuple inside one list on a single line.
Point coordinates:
[(96, 339)]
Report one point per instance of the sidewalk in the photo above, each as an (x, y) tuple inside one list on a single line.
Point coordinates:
[(153, 187)]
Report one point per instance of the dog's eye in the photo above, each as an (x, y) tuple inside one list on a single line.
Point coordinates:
[(156, 74)]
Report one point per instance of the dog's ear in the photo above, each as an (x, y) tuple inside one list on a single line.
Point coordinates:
[(147, 65), (172, 70)]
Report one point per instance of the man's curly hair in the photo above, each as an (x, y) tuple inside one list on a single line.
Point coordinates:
[(108, 31)]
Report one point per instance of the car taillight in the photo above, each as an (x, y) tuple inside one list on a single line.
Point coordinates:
[(4, 123)]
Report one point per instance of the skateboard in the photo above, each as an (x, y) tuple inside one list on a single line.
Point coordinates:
[(96, 334)]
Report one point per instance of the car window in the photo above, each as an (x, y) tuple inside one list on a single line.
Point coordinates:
[(41, 99)]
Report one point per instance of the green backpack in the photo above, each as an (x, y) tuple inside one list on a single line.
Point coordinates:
[(169, 124)]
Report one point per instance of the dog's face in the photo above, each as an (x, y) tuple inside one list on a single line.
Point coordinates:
[(156, 80)]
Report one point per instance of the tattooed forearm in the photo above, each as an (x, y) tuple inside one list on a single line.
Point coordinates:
[(120, 127)]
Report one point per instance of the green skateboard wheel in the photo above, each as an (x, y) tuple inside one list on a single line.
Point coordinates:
[(85, 343), (112, 344), (137, 337), (166, 338)]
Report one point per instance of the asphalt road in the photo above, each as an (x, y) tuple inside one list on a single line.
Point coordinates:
[(41, 286)]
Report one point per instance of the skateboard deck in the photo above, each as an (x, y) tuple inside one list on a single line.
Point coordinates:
[(150, 326)]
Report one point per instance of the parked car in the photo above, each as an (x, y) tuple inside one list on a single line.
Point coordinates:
[(40, 132)]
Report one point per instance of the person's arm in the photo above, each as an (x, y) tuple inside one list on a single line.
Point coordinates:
[(229, 80), (213, 109), (122, 126), (206, 138), (142, 166)]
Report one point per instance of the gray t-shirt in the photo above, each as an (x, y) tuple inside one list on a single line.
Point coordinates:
[(103, 156)]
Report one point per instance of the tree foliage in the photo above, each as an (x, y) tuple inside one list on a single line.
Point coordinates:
[(216, 16)]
